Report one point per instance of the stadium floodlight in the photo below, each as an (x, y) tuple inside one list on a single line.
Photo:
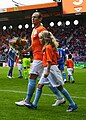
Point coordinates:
[(20, 26), (4, 27), (59, 23), (10, 27), (26, 26), (67, 23), (51, 24), (76, 22)]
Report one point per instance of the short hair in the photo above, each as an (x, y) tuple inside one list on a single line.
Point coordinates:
[(70, 56), (40, 14)]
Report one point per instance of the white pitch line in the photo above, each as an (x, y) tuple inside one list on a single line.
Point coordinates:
[(12, 91), (23, 92)]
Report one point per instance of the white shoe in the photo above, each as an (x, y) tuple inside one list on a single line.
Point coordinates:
[(65, 80), (9, 77), (21, 103), (58, 102)]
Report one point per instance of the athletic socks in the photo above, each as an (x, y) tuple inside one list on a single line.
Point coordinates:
[(37, 96), (10, 72), (66, 94), (31, 89), (20, 73), (64, 75), (68, 78), (55, 91), (72, 78)]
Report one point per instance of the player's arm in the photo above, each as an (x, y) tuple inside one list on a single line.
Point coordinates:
[(48, 69), (49, 60), (10, 57), (27, 50)]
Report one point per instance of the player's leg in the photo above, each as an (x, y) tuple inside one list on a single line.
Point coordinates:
[(28, 65), (25, 72), (20, 70), (20, 74), (34, 72), (37, 95), (31, 87), (64, 76), (52, 79), (63, 73), (60, 99), (61, 66), (10, 64), (41, 83), (72, 105), (70, 70), (71, 75), (58, 82), (10, 72)]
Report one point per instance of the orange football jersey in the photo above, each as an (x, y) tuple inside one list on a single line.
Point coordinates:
[(69, 63), (36, 45), (50, 56)]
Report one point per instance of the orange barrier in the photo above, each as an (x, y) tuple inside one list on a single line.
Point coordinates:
[(53, 4)]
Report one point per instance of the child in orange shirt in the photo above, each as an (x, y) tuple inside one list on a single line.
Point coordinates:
[(51, 74), (70, 68)]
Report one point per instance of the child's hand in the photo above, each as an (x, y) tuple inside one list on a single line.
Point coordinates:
[(46, 74)]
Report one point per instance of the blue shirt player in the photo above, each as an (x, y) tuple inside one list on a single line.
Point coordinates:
[(11, 59), (61, 62)]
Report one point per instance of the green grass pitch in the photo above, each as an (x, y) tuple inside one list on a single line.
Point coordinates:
[(12, 90)]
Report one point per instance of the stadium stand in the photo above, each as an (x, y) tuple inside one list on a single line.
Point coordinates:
[(71, 37)]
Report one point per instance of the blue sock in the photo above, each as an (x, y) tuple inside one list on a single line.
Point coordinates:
[(68, 77), (56, 92), (72, 78), (64, 75), (10, 72), (66, 94), (31, 89), (37, 96), (20, 73)]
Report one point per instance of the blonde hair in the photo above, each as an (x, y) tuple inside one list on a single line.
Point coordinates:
[(49, 39)]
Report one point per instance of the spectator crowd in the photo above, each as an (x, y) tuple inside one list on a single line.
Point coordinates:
[(71, 38)]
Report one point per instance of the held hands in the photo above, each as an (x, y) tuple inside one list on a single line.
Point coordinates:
[(23, 51), (48, 69), (46, 74), (27, 50)]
